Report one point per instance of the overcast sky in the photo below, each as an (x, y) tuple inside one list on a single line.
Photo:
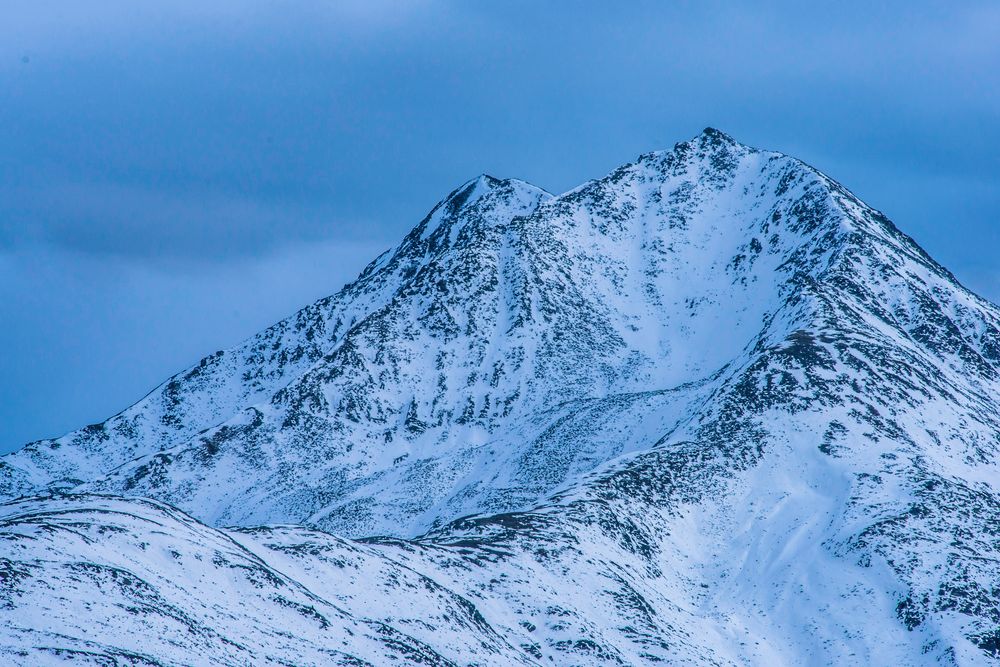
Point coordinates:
[(176, 175)]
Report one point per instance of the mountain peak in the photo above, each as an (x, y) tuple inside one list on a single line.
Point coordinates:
[(715, 142), (472, 190), (712, 144), (487, 180), (713, 135), (478, 199), (706, 385)]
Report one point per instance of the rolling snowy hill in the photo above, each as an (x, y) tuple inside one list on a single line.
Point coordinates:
[(710, 409)]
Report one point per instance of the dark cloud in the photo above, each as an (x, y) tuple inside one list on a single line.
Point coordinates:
[(212, 138), (161, 225)]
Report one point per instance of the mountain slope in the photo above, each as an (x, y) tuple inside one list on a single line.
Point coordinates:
[(710, 409)]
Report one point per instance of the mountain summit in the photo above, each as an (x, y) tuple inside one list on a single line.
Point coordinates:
[(709, 409)]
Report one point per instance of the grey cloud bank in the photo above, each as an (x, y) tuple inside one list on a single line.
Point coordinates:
[(174, 177)]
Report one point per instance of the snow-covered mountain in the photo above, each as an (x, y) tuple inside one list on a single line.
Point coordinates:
[(709, 409)]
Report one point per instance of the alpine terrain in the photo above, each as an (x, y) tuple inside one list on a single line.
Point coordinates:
[(710, 409)]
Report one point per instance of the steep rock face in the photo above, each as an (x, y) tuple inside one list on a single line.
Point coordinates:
[(710, 409)]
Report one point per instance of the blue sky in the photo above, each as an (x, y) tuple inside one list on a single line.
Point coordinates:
[(176, 175)]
